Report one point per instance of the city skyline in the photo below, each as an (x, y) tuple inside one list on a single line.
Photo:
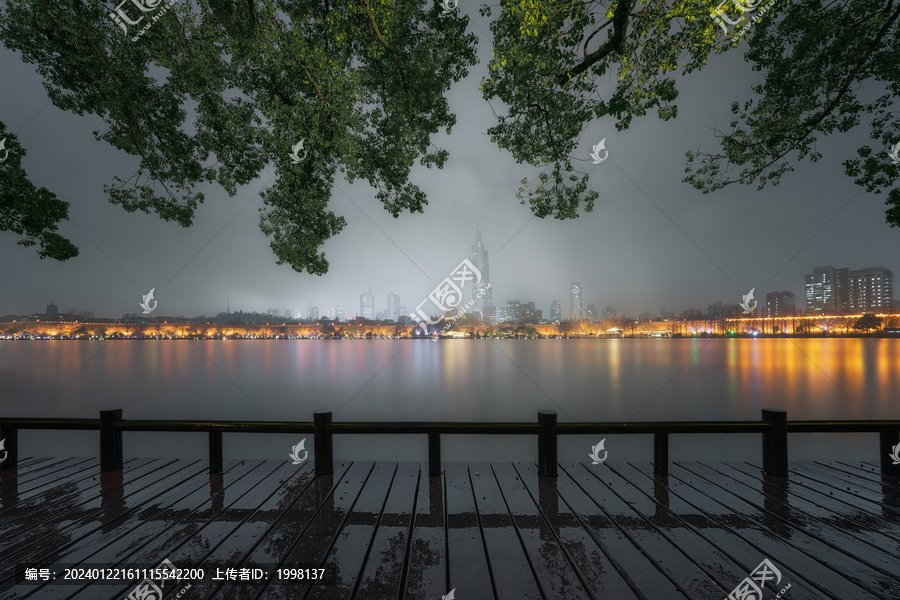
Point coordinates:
[(652, 241)]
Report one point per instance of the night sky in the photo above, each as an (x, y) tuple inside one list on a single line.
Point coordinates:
[(651, 241)]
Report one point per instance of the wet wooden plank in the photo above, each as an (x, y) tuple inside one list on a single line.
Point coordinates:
[(282, 485), (511, 569), (30, 519), (58, 492), (426, 569), (466, 559), (721, 528), (139, 531), (383, 572), (352, 546), (184, 524), (873, 502), (776, 541), (36, 467), (880, 533), (46, 544), (687, 577), (588, 506), (318, 536), (593, 567), (853, 558), (289, 526), (650, 497)]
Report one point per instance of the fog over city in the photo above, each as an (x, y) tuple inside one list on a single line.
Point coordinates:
[(652, 241)]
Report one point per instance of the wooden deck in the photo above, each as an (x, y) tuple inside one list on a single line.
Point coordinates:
[(490, 531)]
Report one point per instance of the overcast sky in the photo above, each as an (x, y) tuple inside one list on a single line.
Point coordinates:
[(651, 241)]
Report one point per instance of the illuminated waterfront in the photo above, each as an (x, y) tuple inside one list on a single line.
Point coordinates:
[(487, 380)]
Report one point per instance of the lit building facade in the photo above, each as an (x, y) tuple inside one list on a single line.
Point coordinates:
[(367, 305), (393, 307), (555, 314), (575, 311), (482, 293), (780, 304)]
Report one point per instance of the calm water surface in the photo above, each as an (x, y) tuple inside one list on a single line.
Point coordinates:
[(454, 380)]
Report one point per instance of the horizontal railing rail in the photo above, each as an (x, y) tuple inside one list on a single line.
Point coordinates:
[(774, 428)]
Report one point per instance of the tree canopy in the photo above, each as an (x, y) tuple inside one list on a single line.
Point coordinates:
[(363, 85), (218, 91), (549, 59)]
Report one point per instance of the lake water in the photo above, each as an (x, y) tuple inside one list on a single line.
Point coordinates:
[(454, 380)]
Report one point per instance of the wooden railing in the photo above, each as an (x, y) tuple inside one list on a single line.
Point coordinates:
[(774, 428)]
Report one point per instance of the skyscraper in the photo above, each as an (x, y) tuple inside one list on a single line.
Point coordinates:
[(314, 313), (480, 260), (367, 305), (780, 304), (339, 314), (555, 315), (820, 291), (575, 312), (609, 312), (870, 290), (393, 307), (592, 313)]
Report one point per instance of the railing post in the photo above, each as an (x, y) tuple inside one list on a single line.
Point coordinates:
[(775, 448), (434, 454), (322, 443), (660, 454), (10, 437), (887, 441), (215, 451), (547, 444), (110, 441)]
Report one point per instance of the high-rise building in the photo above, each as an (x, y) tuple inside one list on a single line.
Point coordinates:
[(780, 304), (665, 313), (845, 291), (287, 314), (314, 313), (870, 290), (501, 314), (575, 312), (609, 312), (821, 291), (339, 314), (490, 314), (555, 315), (367, 305), (592, 315), (52, 309), (331, 314), (512, 310), (480, 260), (393, 307)]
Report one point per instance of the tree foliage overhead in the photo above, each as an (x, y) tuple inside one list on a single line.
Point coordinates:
[(362, 83), (550, 56), (32, 213)]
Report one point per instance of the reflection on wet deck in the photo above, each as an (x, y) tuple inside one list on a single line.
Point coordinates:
[(488, 530)]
